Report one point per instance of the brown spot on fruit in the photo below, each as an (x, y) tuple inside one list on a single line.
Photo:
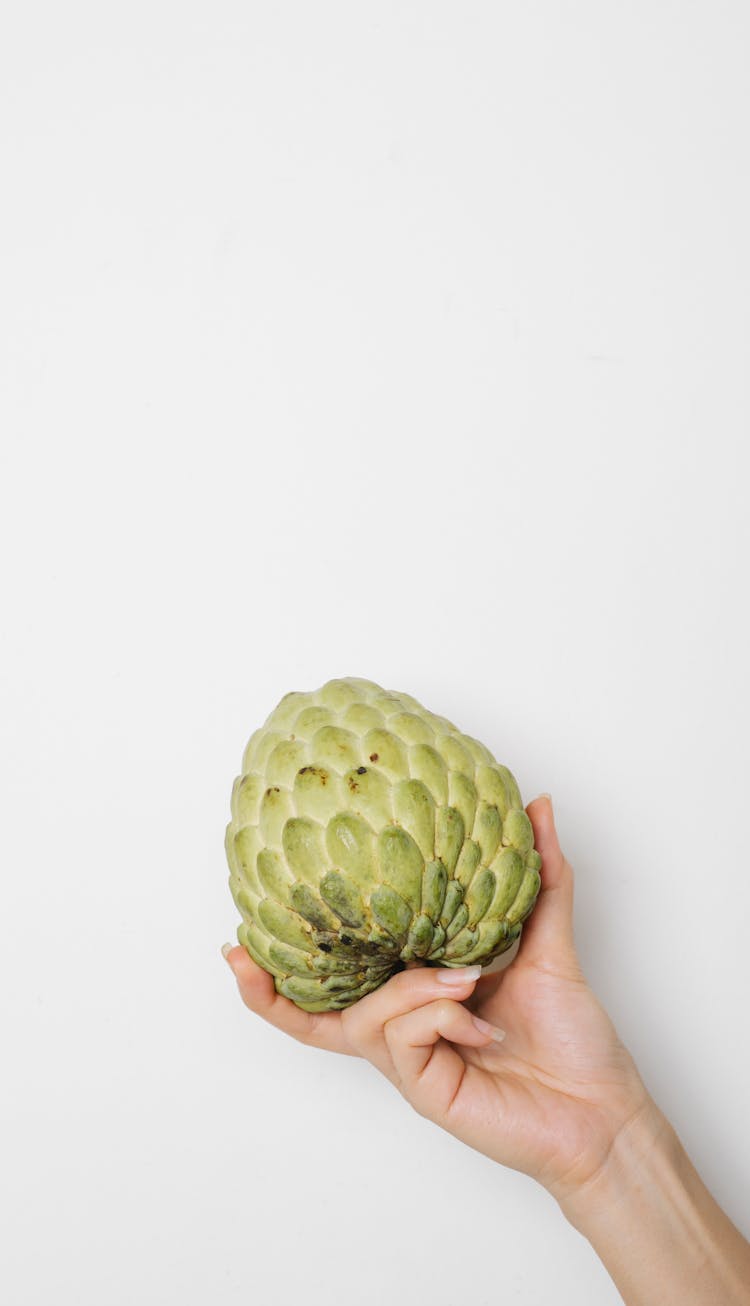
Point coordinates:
[(374, 757), (314, 770)]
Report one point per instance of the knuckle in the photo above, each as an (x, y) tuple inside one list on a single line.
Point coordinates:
[(393, 1032), (352, 1022), (420, 1107), (403, 988), (361, 1027), (412, 979)]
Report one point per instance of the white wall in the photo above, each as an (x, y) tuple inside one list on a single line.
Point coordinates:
[(403, 340)]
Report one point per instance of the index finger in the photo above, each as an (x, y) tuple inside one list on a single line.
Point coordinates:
[(366, 1020)]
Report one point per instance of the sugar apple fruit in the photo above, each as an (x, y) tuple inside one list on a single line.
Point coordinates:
[(367, 832)]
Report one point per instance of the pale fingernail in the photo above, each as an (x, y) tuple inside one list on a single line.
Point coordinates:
[(485, 1027), (547, 796), (458, 975), (226, 948)]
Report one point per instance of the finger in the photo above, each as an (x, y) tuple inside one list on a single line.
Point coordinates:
[(258, 992), (430, 1071), (365, 1022), (548, 935)]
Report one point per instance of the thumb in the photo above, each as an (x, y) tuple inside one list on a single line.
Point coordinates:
[(548, 934)]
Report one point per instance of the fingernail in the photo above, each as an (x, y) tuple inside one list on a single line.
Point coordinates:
[(547, 796), (226, 948), (458, 975), (485, 1027)]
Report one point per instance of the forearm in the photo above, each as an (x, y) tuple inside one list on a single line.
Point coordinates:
[(655, 1226)]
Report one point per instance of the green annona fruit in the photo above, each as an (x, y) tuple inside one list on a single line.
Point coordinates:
[(367, 832)]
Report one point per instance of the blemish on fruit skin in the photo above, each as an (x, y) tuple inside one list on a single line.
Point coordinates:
[(374, 757), (315, 770), (361, 770)]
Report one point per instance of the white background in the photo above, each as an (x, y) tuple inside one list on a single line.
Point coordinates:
[(401, 340)]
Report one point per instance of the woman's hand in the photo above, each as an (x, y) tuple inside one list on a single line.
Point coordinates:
[(523, 1065), (543, 1084)]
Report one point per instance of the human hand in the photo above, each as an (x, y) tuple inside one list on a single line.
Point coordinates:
[(544, 1085)]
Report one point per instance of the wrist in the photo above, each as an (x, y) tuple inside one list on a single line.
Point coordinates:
[(645, 1153), (654, 1224)]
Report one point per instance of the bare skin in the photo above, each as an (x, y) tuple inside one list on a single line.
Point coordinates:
[(546, 1088)]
